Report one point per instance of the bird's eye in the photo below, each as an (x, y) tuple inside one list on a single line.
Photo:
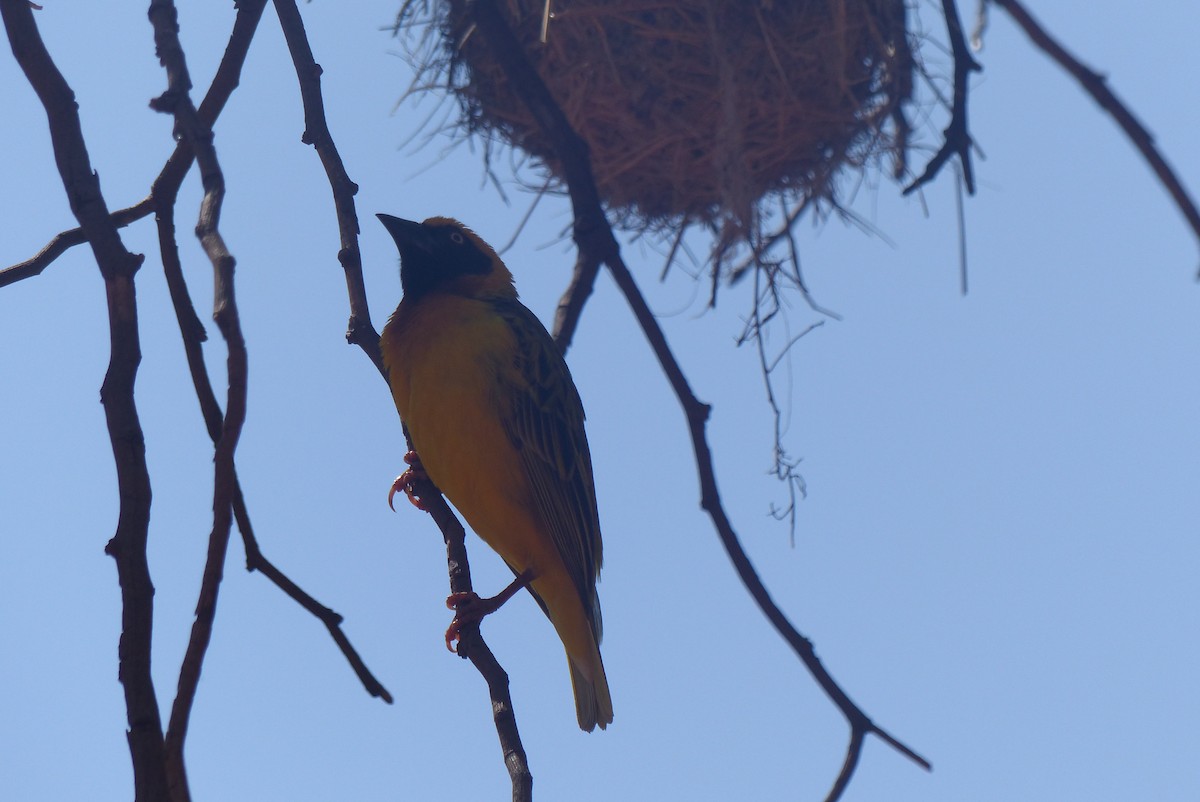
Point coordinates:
[(457, 238)]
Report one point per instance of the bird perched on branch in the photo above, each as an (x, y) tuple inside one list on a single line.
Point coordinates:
[(496, 423)]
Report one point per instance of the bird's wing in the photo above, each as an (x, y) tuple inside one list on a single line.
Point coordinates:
[(545, 423)]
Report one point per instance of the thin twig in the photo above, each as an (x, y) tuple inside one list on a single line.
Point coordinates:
[(956, 137), (768, 242), (255, 561), (172, 174), (211, 410), (595, 237), (784, 468), (961, 211), (676, 244), (360, 331), (789, 234), (63, 242), (1095, 85), (570, 305), (537, 198), (117, 266)]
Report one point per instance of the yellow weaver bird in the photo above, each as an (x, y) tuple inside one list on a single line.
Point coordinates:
[(497, 425)]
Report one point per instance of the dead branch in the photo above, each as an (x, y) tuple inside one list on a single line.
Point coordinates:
[(255, 561), (118, 267), (361, 332), (211, 410), (192, 334), (63, 242), (177, 102), (472, 646), (697, 414), (166, 185), (956, 138), (1096, 85), (161, 202), (570, 306)]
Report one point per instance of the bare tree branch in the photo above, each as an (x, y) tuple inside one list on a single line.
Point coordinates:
[(697, 414), (853, 753), (595, 238), (167, 184), (472, 646), (177, 101), (118, 267), (210, 407), (163, 195), (161, 202), (255, 560), (63, 242), (361, 332), (570, 306), (956, 138), (1095, 85)]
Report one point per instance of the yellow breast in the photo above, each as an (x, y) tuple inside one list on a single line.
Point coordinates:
[(445, 358)]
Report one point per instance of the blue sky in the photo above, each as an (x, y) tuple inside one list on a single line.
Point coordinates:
[(997, 557)]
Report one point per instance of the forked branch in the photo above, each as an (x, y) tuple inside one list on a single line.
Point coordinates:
[(161, 203), (956, 138)]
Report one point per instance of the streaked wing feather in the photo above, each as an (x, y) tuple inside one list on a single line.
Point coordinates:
[(545, 423)]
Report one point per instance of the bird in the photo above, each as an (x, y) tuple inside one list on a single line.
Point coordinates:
[(497, 424)]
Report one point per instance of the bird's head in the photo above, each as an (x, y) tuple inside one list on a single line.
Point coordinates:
[(443, 255)]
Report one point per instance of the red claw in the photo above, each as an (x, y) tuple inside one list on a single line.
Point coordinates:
[(406, 480), (466, 611), (469, 608)]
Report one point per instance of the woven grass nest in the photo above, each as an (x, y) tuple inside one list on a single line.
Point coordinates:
[(697, 110)]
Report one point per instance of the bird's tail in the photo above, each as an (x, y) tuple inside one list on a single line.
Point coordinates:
[(593, 704), (579, 630)]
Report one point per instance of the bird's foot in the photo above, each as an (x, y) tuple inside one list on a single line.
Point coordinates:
[(470, 608), (406, 480)]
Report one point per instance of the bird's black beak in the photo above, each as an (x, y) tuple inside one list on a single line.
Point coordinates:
[(409, 236)]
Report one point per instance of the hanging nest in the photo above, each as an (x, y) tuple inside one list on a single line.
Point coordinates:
[(697, 110)]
